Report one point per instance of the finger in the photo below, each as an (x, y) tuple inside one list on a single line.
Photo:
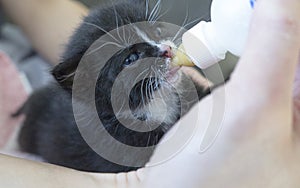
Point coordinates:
[(267, 67), (197, 77)]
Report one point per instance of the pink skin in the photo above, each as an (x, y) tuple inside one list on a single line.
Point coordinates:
[(167, 50), (171, 74), (12, 96)]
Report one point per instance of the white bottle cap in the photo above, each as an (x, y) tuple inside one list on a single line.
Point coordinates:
[(201, 45)]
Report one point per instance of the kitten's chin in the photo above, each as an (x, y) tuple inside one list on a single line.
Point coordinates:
[(172, 75)]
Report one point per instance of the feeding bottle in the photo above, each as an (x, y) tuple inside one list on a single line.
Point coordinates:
[(207, 43)]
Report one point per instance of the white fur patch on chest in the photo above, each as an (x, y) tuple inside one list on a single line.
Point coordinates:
[(163, 107)]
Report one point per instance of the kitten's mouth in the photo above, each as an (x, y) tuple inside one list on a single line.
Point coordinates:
[(171, 74)]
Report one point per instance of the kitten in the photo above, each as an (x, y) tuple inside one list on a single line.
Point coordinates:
[(51, 128)]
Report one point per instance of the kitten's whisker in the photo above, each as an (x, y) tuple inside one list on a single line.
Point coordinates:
[(140, 75), (149, 138), (185, 26), (147, 9), (117, 20), (143, 102), (105, 44), (130, 31), (153, 84), (103, 30), (121, 110), (156, 82), (159, 74), (161, 94), (142, 85), (192, 22), (156, 13), (124, 36), (142, 90), (132, 34), (184, 22), (154, 10), (135, 82), (161, 15), (130, 38), (148, 96), (65, 77), (124, 33), (149, 90)]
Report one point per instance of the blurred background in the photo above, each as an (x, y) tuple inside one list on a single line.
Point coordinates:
[(15, 44)]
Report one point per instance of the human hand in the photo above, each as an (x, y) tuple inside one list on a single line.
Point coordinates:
[(12, 96), (259, 142)]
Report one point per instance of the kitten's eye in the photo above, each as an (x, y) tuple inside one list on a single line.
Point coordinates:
[(131, 58)]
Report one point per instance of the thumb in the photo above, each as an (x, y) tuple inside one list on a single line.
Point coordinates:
[(268, 64)]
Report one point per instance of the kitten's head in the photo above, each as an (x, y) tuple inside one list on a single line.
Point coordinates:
[(154, 96), (100, 20)]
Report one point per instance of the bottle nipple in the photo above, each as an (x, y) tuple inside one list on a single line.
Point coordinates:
[(181, 59)]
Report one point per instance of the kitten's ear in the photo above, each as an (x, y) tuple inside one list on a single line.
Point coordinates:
[(64, 72)]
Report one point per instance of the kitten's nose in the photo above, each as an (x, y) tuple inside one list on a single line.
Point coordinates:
[(165, 50)]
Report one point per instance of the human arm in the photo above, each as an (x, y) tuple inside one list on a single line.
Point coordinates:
[(258, 145), (21, 173), (47, 23)]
